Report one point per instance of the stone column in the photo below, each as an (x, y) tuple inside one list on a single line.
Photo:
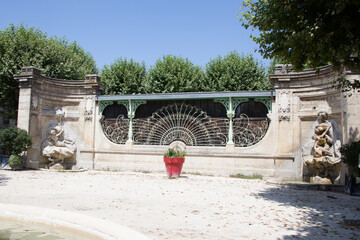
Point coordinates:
[(28, 100), (26, 79), (92, 87)]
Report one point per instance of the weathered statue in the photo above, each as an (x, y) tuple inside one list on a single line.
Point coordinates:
[(58, 148), (325, 151)]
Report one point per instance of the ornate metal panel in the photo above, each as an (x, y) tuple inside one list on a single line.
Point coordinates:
[(116, 130), (249, 132), (179, 122), (186, 123), (104, 104), (131, 106), (231, 104), (266, 101)]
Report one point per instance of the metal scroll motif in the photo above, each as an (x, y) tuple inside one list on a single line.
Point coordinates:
[(116, 130), (249, 132), (186, 123), (180, 122)]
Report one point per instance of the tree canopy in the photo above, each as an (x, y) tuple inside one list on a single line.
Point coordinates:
[(233, 72), (236, 72), (124, 77), (174, 74), (304, 32), (56, 57)]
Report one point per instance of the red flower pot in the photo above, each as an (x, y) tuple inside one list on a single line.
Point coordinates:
[(173, 166)]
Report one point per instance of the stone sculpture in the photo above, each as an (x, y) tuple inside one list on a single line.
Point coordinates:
[(325, 154), (58, 148)]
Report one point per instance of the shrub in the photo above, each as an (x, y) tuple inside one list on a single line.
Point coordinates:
[(14, 140), (174, 153), (15, 161), (350, 155)]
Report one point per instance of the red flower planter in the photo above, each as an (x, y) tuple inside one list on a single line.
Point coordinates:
[(173, 166)]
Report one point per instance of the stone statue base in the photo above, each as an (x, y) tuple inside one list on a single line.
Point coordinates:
[(323, 171), (55, 153), (57, 166), (320, 180)]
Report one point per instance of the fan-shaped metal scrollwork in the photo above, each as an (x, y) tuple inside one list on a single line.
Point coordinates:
[(179, 122), (116, 130), (186, 123), (249, 132)]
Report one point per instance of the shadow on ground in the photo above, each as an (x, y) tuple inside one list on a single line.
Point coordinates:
[(322, 215), (3, 179)]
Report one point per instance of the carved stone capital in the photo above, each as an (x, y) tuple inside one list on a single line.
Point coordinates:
[(284, 118)]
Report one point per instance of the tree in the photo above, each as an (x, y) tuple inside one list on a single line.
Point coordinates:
[(124, 77), (304, 32), (174, 74), (350, 155), (235, 72), (14, 140), (21, 46)]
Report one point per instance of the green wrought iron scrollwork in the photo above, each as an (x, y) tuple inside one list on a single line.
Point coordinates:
[(179, 122), (131, 106), (104, 104), (266, 101), (189, 124), (249, 132), (116, 130), (231, 104)]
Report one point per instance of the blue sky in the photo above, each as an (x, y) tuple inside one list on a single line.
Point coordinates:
[(140, 29)]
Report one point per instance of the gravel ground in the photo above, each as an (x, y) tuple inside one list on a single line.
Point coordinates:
[(191, 207)]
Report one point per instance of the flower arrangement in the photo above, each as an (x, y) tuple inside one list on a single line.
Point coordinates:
[(175, 153)]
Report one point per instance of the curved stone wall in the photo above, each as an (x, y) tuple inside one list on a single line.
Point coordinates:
[(294, 106)]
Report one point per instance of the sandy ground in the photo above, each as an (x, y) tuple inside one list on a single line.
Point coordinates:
[(191, 207)]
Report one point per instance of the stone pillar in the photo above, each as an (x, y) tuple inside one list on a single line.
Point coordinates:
[(26, 79), (89, 110), (351, 111), (89, 120), (27, 109)]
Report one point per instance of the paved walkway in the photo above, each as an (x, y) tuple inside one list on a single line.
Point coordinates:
[(191, 207)]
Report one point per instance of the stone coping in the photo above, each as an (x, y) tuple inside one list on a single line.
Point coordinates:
[(81, 223)]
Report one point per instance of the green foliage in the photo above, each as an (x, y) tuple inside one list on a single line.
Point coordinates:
[(124, 77), (235, 72), (14, 140), (174, 74), (15, 161), (56, 57), (350, 155), (306, 32), (242, 176), (174, 153)]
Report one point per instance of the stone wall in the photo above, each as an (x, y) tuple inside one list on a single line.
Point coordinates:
[(40, 97), (299, 97)]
